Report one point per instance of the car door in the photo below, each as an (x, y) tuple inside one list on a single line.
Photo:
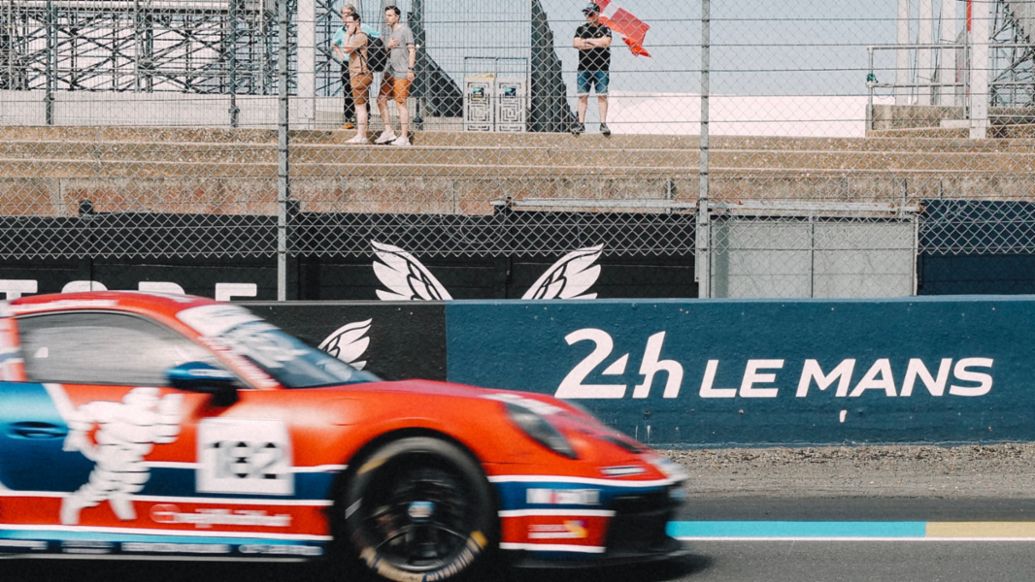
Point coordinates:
[(78, 436)]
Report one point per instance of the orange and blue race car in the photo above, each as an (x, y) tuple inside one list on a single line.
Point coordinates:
[(143, 425)]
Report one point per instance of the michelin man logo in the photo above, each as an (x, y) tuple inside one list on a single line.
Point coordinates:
[(125, 433)]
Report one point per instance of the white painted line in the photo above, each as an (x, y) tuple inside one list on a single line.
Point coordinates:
[(556, 512), (553, 548), (226, 501), (150, 558), (232, 535), (580, 480)]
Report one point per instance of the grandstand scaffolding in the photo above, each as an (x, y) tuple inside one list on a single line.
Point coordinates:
[(1013, 55), (190, 46)]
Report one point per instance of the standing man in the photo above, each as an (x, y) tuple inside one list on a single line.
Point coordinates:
[(338, 43), (402, 58), (360, 75), (593, 41)]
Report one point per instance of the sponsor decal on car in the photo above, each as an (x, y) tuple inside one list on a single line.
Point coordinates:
[(541, 496), (281, 550), (570, 529), (174, 548), (169, 514), (87, 547), (116, 436)]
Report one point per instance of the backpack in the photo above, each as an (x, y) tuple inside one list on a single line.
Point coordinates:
[(377, 54)]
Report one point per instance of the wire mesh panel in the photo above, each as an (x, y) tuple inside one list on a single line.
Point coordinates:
[(836, 106), (139, 63), (473, 146), (122, 192), (818, 255), (820, 138), (124, 168)]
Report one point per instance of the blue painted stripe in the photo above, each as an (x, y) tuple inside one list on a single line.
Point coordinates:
[(797, 529), (175, 482), (98, 543)]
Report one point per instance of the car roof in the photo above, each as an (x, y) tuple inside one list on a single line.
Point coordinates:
[(164, 303)]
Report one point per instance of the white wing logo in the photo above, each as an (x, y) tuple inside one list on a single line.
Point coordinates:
[(569, 277), (349, 342), (407, 279)]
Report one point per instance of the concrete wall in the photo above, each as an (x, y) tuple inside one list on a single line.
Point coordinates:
[(85, 108)]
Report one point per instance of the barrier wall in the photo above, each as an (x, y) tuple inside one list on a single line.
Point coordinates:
[(696, 373)]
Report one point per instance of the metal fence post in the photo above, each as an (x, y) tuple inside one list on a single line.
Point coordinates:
[(703, 260), (48, 99), (232, 64), (283, 181)]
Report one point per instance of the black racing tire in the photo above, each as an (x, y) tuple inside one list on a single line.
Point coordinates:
[(419, 508)]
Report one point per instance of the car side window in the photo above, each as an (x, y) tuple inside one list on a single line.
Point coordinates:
[(103, 348)]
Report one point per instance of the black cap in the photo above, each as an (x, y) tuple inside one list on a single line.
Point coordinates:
[(591, 9)]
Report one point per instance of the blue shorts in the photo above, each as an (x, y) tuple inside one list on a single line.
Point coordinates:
[(599, 79)]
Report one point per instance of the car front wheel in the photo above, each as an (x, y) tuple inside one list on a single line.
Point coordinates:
[(419, 508)]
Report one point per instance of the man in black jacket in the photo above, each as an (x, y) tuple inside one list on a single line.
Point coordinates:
[(593, 41)]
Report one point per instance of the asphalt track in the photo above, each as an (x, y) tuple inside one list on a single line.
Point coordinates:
[(734, 538)]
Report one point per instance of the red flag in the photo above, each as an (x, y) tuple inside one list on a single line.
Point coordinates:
[(632, 30)]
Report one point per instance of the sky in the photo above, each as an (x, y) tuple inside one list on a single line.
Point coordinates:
[(805, 60)]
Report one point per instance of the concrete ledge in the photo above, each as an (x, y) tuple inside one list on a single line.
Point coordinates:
[(48, 170)]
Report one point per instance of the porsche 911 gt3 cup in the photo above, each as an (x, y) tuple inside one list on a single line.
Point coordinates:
[(136, 424)]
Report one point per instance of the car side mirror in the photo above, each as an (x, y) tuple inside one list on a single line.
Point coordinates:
[(205, 378)]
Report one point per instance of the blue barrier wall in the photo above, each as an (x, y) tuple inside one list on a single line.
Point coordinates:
[(765, 372)]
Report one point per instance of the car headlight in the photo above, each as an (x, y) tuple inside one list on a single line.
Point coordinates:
[(540, 429)]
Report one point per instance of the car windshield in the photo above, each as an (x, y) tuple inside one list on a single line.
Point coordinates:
[(289, 360)]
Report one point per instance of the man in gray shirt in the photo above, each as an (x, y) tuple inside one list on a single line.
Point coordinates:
[(402, 57)]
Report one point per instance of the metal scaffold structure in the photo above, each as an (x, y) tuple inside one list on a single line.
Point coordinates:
[(1013, 54), (192, 46)]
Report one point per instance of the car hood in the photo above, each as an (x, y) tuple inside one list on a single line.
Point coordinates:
[(433, 387)]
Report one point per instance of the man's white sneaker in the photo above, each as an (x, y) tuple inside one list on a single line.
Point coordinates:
[(359, 138), (402, 140), (385, 137)]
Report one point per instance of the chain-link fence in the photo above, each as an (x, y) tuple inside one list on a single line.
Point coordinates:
[(785, 149)]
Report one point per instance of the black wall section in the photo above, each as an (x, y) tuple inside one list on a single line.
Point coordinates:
[(475, 257), (196, 276), (406, 340), (201, 277), (353, 279), (503, 233), (49, 275), (977, 274), (972, 247)]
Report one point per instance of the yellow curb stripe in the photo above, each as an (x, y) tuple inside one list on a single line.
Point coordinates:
[(980, 529)]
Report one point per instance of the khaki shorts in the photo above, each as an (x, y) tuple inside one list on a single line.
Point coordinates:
[(360, 87), (398, 88)]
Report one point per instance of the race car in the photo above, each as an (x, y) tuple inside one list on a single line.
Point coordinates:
[(142, 425)]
